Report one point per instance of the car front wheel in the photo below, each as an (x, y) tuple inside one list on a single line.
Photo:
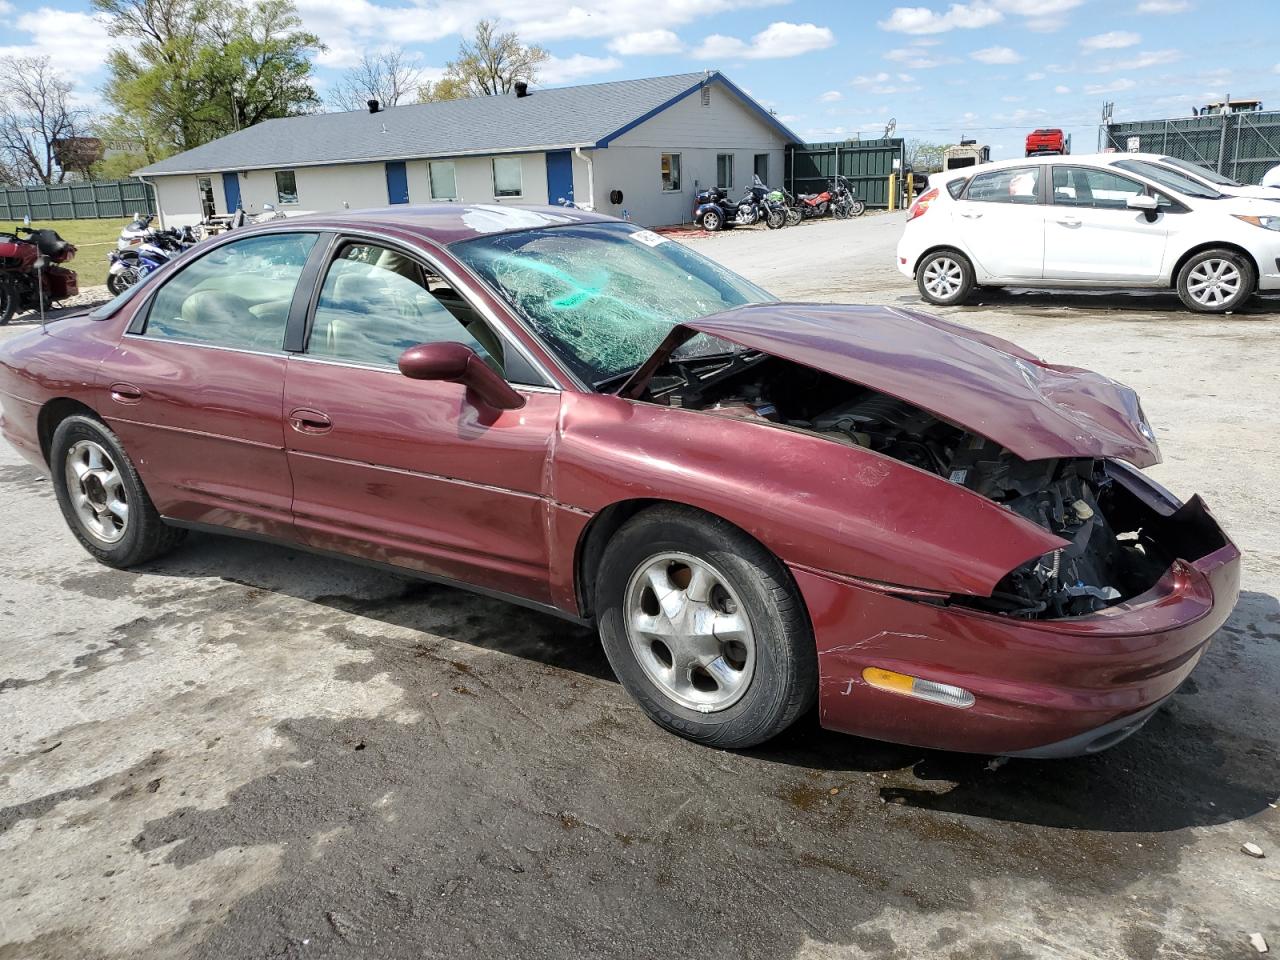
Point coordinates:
[(705, 628), (1216, 281), (102, 497), (945, 278)]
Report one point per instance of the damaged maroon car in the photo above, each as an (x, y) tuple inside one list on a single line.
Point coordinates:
[(935, 536)]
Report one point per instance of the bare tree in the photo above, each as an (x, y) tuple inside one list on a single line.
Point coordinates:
[(489, 65), (384, 75), (925, 157), (35, 116)]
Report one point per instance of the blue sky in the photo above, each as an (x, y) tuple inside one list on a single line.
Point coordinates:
[(992, 69)]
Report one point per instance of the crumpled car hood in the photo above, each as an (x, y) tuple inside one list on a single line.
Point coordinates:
[(978, 382)]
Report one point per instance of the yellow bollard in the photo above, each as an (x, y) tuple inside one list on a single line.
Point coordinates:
[(893, 192)]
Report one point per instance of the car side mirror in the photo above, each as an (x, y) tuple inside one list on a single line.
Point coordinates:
[(1140, 201), (458, 363)]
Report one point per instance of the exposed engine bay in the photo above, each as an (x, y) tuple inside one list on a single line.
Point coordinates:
[(1114, 552)]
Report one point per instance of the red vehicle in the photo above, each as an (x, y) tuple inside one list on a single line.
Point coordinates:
[(937, 537), (1047, 141), (31, 275)]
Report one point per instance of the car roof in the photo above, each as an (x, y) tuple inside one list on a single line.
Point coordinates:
[(444, 223)]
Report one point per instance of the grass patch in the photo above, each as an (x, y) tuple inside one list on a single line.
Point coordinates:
[(93, 239)]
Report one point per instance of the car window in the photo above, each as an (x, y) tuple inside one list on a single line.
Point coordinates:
[(1178, 182), (376, 303), (1013, 185), (956, 187), (237, 295), (1088, 187), (1199, 171)]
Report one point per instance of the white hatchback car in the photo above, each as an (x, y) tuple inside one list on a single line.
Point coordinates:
[(1095, 222)]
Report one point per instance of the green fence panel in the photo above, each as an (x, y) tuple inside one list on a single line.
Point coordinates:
[(1242, 146), (866, 163), (91, 200)]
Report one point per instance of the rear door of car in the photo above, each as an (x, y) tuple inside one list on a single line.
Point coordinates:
[(412, 472), (1000, 220), (195, 387), (1090, 234)]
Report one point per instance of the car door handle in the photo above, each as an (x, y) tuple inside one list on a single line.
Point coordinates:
[(971, 215), (125, 393), (1070, 221), (310, 421)]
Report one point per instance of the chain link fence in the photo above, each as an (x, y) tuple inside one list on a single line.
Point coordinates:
[(1242, 146)]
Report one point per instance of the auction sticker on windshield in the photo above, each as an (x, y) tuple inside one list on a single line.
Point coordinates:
[(648, 238)]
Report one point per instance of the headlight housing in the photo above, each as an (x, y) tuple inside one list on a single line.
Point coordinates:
[(1266, 223)]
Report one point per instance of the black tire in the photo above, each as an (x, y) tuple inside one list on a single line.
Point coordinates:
[(857, 208), (712, 221), (955, 267), (8, 301), (1236, 283), (776, 219), (144, 536), (794, 216), (115, 284), (840, 211), (783, 680)]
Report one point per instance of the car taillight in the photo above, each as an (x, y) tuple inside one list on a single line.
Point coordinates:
[(921, 206)]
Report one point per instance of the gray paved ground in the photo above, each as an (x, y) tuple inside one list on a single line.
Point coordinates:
[(242, 751)]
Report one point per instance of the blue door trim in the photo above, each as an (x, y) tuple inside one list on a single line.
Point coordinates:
[(231, 191), (397, 182), (559, 177)]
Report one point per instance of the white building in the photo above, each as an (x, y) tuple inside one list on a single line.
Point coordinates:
[(639, 148)]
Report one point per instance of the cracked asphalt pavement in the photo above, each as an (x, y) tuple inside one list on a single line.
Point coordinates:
[(245, 751)]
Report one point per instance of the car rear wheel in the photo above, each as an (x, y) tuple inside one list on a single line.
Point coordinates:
[(705, 628), (945, 278), (1216, 281), (102, 497)]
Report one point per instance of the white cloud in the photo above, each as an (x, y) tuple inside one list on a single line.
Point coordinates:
[(1013, 98), (646, 43), (831, 96), (779, 39), (1112, 40), (1138, 61), (1037, 8), (996, 55), (1035, 76), (958, 16), (1061, 89), (1276, 68), (70, 40), (1164, 6), (1114, 87), (917, 55), (559, 70), (882, 83), (5, 8)]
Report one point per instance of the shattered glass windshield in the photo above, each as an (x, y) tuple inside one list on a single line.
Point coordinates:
[(604, 295)]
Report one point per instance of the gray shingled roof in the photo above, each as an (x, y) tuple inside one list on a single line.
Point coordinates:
[(546, 119)]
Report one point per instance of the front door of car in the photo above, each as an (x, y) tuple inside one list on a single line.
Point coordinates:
[(1090, 233), (411, 472), (195, 388), (1000, 219)]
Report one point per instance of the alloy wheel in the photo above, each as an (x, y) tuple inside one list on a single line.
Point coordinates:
[(97, 491), (1214, 282), (943, 277), (689, 632)]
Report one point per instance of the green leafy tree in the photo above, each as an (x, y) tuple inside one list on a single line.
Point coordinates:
[(488, 65), (196, 70)]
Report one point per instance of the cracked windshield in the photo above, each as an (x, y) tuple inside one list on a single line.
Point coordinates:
[(605, 295)]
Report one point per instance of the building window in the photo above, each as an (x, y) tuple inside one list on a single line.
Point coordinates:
[(286, 187), (207, 207), (671, 172), (444, 182), (508, 177), (724, 171), (762, 167)]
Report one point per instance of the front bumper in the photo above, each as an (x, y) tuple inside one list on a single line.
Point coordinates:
[(1041, 687)]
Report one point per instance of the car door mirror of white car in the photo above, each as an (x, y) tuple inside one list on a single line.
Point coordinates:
[(458, 363), (1140, 201)]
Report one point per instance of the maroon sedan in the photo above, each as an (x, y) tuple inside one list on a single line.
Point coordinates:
[(937, 537)]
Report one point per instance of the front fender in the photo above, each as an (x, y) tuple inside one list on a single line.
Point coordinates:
[(815, 503)]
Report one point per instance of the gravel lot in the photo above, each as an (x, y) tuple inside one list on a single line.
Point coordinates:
[(242, 751)]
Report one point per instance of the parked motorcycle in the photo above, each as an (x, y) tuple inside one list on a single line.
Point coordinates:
[(777, 209), (172, 239), (132, 265), (31, 275), (844, 204), (711, 209)]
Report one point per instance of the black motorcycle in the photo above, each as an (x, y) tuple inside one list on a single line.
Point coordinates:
[(752, 208), (712, 210)]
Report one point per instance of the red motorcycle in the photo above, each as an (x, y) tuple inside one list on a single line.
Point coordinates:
[(31, 277)]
